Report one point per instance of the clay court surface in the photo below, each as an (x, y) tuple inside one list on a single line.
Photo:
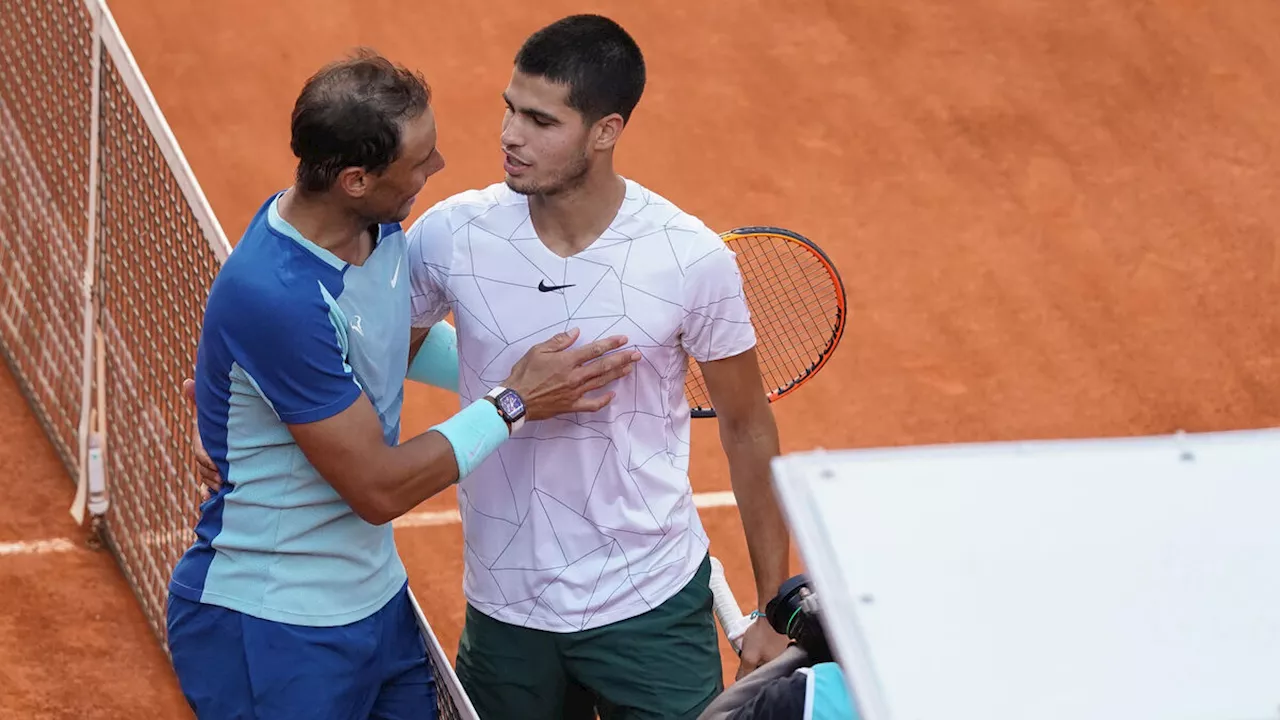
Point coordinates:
[(1053, 219)]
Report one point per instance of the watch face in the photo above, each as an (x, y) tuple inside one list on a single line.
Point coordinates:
[(511, 404)]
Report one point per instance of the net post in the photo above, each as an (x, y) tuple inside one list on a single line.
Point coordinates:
[(89, 285)]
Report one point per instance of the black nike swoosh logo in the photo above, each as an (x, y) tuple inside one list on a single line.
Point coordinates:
[(544, 287)]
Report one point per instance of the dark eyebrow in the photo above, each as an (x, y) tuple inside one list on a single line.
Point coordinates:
[(531, 112)]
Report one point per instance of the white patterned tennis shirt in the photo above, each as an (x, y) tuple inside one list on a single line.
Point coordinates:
[(581, 520)]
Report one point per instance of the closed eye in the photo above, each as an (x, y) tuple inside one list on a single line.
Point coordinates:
[(538, 117)]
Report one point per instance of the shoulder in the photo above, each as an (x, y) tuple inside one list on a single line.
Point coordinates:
[(433, 236), (268, 283), (651, 215), (457, 210)]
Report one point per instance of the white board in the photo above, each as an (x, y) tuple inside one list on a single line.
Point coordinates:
[(1117, 579)]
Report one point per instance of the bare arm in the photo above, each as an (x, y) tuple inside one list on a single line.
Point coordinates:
[(382, 482), (749, 437), (378, 481)]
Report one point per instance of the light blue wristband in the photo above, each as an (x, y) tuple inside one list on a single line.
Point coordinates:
[(437, 360), (474, 433)]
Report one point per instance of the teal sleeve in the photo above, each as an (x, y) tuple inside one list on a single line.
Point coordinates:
[(437, 360), (829, 695)]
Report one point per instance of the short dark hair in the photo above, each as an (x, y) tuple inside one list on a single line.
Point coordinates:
[(595, 57), (349, 114)]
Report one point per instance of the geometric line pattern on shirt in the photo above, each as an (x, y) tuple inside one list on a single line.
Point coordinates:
[(542, 500)]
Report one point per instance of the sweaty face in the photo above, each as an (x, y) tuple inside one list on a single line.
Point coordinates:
[(392, 193), (545, 142)]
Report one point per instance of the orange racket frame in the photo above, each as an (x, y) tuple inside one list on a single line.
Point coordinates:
[(815, 357)]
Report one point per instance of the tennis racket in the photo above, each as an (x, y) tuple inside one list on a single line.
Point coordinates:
[(797, 305), (732, 622)]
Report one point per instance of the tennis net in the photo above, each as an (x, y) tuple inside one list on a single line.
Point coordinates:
[(107, 251)]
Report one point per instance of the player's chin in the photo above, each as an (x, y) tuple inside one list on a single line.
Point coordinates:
[(402, 213), (521, 185)]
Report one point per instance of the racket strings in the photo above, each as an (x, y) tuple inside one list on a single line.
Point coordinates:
[(795, 309)]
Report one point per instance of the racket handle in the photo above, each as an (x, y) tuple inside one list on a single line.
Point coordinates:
[(732, 621)]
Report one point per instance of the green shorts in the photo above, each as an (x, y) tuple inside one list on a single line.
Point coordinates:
[(664, 663)]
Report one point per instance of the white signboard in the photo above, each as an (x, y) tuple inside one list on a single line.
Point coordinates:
[(1119, 579)]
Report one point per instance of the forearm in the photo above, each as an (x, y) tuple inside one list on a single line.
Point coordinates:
[(406, 475), (395, 479), (749, 446), (381, 483)]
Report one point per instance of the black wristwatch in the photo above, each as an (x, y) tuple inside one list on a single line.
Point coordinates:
[(510, 406)]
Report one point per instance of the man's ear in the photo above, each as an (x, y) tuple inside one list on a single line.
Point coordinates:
[(607, 131), (353, 181)]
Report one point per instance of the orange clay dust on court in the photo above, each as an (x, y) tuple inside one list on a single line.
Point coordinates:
[(1052, 220)]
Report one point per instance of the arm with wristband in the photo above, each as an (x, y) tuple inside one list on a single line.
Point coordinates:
[(382, 482)]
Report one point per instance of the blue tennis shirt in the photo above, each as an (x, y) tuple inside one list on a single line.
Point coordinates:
[(294, 335)]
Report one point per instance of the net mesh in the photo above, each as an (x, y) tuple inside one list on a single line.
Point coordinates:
[(155, 270), (795, 307), (155, 265), (45, 98)]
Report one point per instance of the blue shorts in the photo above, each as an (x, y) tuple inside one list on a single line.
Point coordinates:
[(232, 666)]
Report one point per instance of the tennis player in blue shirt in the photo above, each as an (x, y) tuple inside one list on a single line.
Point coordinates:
[(292, 602)]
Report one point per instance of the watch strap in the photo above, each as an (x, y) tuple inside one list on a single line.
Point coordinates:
[(515, 423)]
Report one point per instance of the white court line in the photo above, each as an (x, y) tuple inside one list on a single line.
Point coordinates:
[(37, 547), (427, 518), (431, 518), (721, 498)]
